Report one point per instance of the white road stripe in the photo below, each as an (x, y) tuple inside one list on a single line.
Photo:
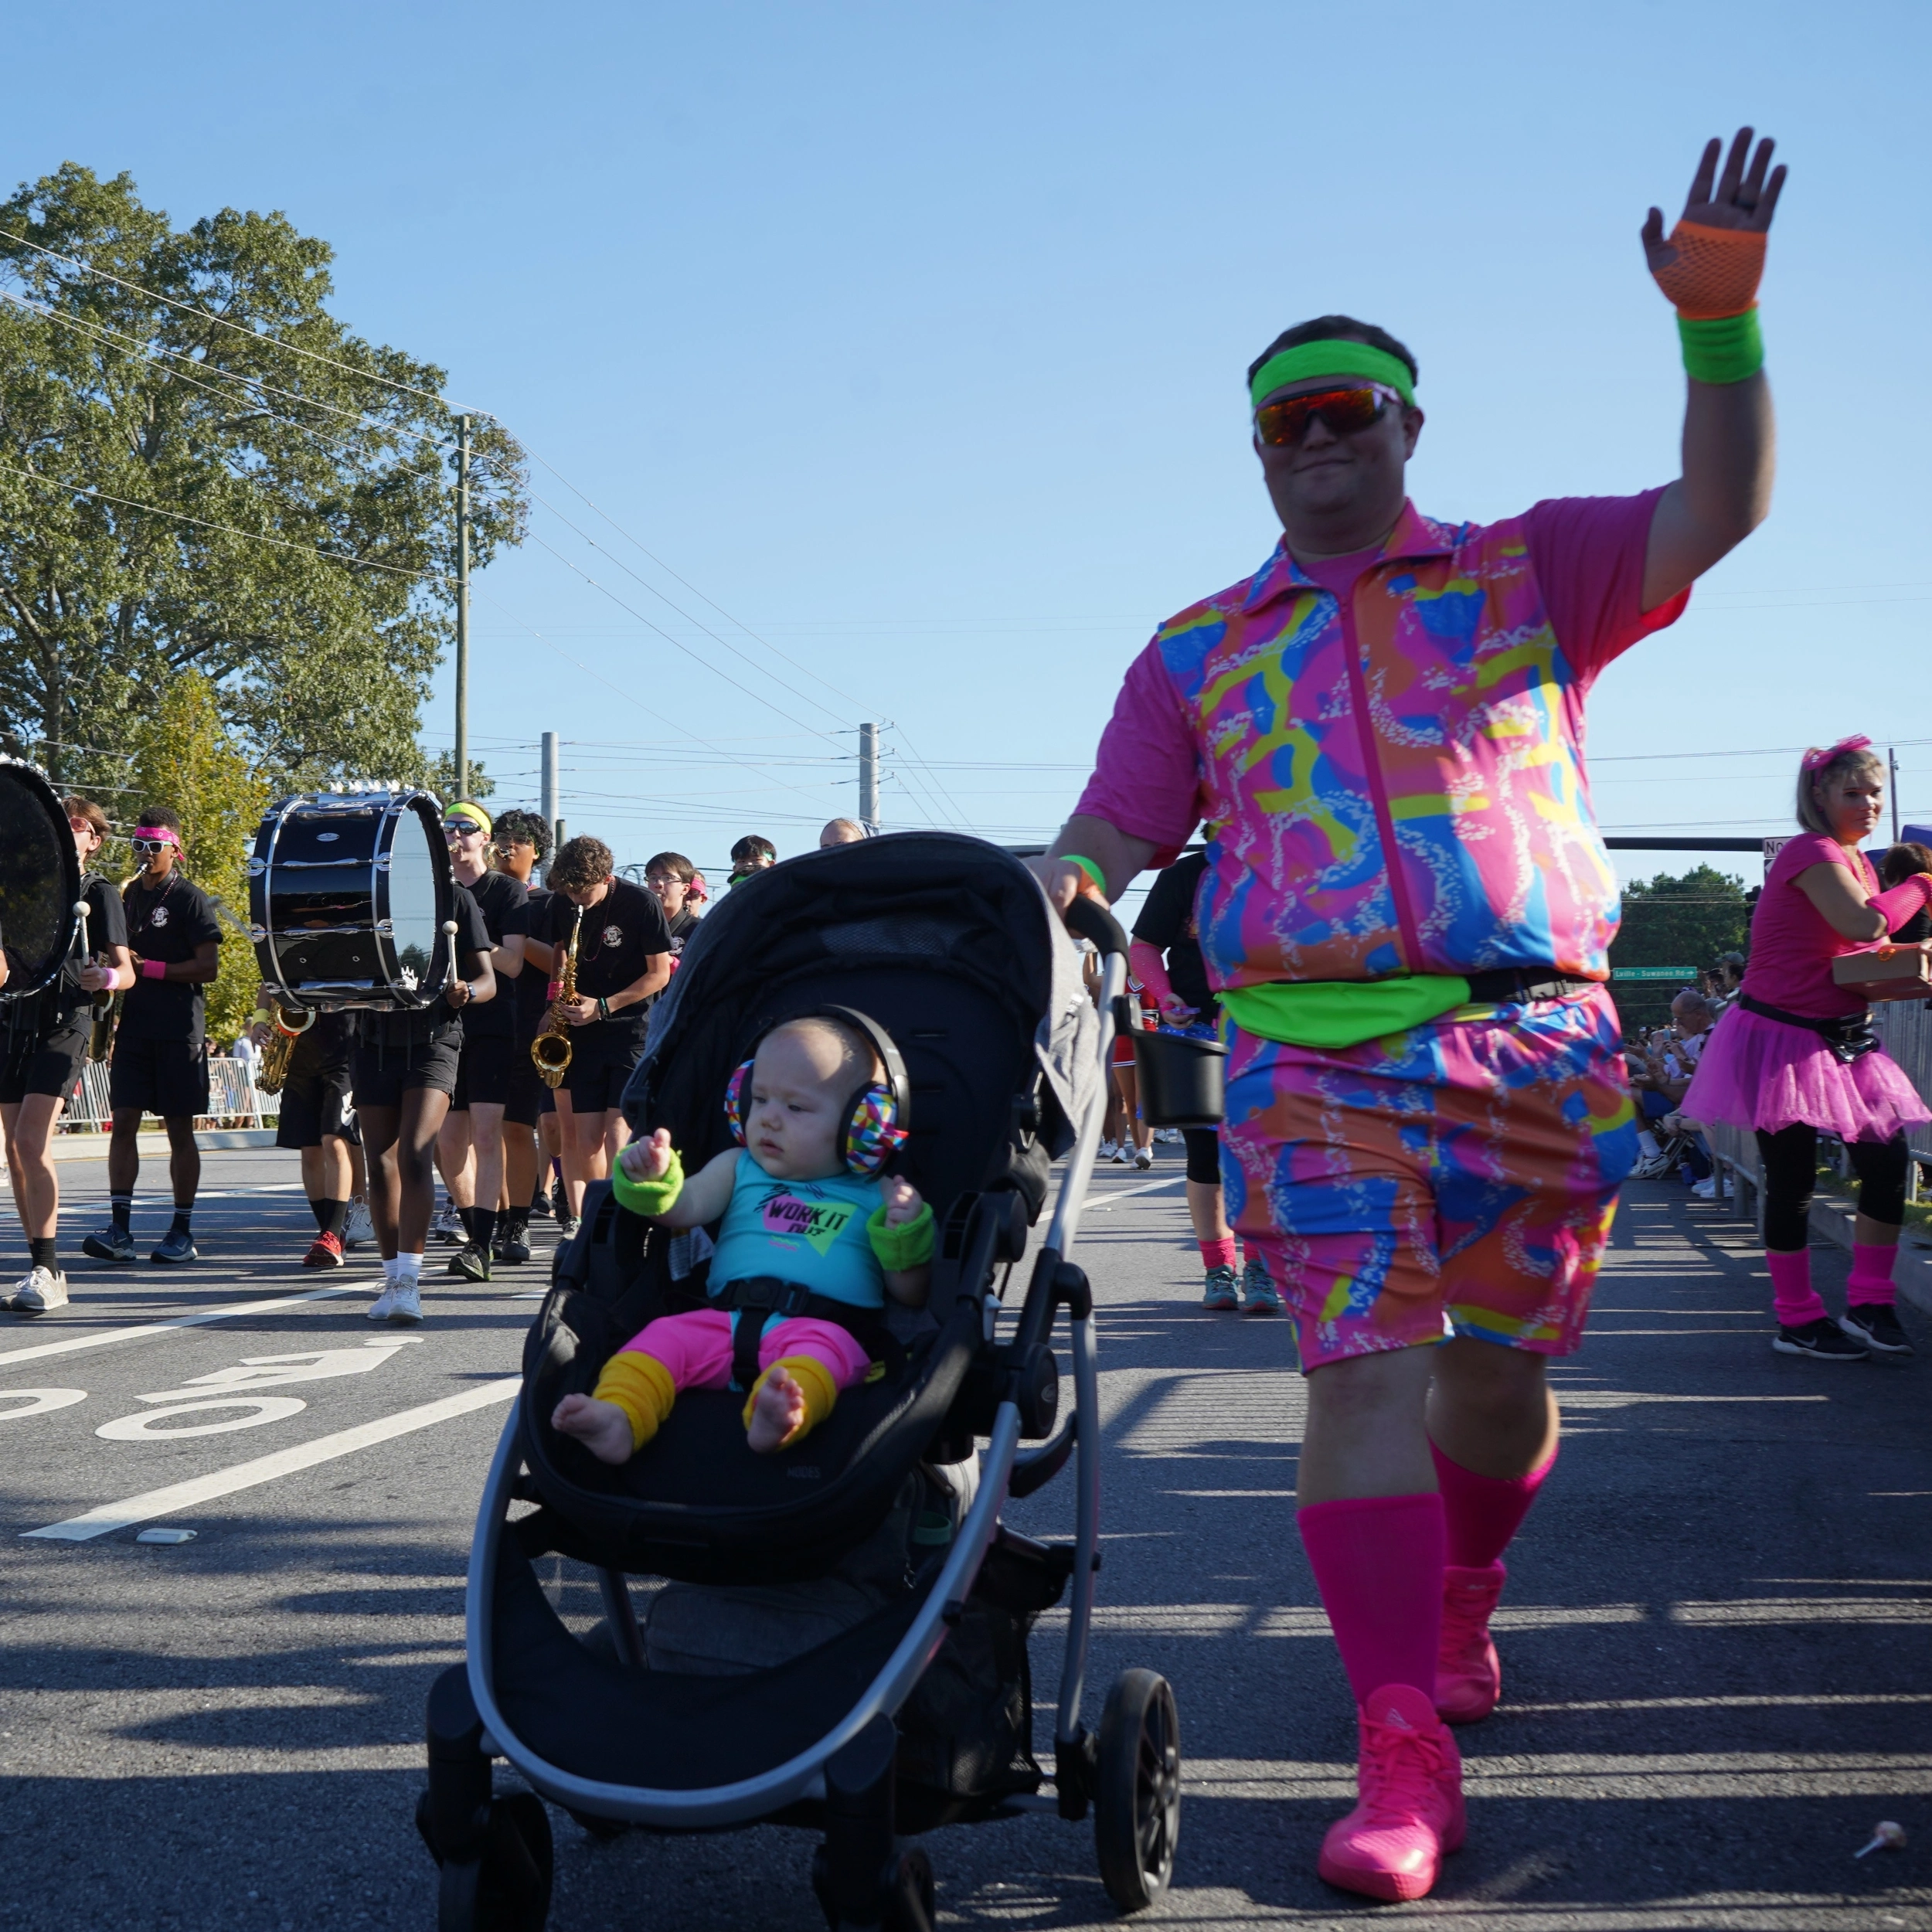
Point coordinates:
[(1096, 1201), (284, 1462), (101, 1338)]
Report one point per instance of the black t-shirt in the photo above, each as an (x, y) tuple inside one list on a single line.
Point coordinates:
[(1167, 923), (532, 984), (619, 935), (167, 922), (499, 898), (438, 1017), (324, 1047), (106, 928)]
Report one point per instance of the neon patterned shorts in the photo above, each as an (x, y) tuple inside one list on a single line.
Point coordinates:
[(1458, 1178)]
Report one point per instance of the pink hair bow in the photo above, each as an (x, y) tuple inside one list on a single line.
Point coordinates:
[(1815, 760)]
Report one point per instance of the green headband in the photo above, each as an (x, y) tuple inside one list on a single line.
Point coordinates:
[(1332, 359)]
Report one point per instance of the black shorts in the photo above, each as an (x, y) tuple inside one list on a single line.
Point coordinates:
[(313, 1106), (525, 1105), (600, 1066), (1203, 1155), (164, 1077), (52, 1067), (485, 1072), (385, 1070)]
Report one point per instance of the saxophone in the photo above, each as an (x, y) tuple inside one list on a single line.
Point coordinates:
[(272, 1073), (551, 1049)]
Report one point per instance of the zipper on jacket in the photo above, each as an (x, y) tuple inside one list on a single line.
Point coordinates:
[(1406, 932)]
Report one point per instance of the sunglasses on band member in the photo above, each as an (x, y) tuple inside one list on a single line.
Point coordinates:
[(144, 846), (459, 828), (1282, 425)]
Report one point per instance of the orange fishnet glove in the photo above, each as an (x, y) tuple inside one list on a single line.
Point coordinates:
[(1716, 271)]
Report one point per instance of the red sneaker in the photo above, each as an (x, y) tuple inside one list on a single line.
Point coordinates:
[(326, 1252), (1409, 1812), (1468, 1677)]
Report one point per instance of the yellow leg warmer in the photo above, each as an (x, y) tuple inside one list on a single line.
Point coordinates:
[(641, 1386), (821, 1392)]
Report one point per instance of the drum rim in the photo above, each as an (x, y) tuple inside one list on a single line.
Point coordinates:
[(49, 799)]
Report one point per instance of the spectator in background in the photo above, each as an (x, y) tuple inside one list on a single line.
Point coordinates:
[(840, 832), (1730, 976), (751, 853), (680, 890), (1898, 865)]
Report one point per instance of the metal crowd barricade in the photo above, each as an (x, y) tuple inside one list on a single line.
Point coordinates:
[(233, 1099)]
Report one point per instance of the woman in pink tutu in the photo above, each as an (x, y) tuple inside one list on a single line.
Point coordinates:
[(1796, 1054)]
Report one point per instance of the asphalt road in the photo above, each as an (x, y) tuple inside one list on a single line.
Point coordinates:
[(1717, 1667)]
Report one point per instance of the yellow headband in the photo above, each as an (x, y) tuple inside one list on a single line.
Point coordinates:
[(475, 813)]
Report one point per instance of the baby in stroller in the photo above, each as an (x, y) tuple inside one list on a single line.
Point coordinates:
[(814, 1238)]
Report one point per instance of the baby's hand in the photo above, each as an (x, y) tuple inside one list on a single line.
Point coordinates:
[(902, 1201), (647, 1160)]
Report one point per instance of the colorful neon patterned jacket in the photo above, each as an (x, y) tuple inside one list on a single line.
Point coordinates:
[(1395, 785)]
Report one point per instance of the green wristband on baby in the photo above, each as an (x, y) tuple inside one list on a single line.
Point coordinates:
[(907, 1247), (651, 1197), (1726, 349)]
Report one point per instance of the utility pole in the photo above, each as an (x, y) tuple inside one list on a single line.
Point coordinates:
[(1891, 763), (462, 606), (549, 790), (868, 777)]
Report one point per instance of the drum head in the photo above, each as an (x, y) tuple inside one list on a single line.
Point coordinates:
[(418, 899), (39, 881)]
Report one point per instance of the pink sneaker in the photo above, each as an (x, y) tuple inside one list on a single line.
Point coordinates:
[(1469, 1676), (1409, 1811)]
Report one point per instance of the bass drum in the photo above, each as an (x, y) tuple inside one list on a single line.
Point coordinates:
[(39, 881), (350, 900)]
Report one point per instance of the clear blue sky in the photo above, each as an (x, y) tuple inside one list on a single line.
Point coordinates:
[(914, 336)]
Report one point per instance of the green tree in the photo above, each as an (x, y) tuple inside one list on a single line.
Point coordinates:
[(180, 388), (1691, 920)]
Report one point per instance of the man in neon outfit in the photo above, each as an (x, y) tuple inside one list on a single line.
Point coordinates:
[(1407, 911)]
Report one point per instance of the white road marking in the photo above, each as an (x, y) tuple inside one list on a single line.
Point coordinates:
[(40, 1401), (139, 1427), (1097, 1203), (178, 1496), (145, 1329)]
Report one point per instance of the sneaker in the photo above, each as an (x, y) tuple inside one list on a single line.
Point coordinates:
[(1122, 1154), (176, 1245), (511, 1246), (324, 1251), (1877, 1324), (39, 1289), (540, 1207), (384, 1305), (566, 1227), (111, 1244), (1108, 1150), (448, 1225), (1653, 1169), (1170, 1136), (1409, 1809), (1822, 1339), (472, 1261), (406, 1307), (1144, 1157), (1259, 1295), (560, 1201), (1705, 1189), (1469, 1676), (1220, 1295), (357, 1227)]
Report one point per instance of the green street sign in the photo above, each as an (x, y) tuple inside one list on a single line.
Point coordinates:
[(1653, 972)]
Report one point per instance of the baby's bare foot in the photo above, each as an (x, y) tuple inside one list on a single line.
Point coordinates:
[(778, 1412), (601, 1426)]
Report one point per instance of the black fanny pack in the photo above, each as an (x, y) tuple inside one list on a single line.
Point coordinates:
[(1849, 1036), (1508, 984), (766, 1294)]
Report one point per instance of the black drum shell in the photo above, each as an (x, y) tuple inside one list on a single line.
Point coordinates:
[(319, 890), (39, 881)]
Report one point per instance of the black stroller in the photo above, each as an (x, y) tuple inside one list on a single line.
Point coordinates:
[(917, 1712)]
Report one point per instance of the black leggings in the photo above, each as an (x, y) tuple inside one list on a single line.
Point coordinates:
[(1203, 1155), (1791, 1173)]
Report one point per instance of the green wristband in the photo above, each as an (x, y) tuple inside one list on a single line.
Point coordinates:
[(1086, 866), (651, 1198), (909, 1246), (1729, 349)]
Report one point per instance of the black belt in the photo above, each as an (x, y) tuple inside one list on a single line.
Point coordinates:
[(765, 1294), (1849, 1036), (1510, 984)]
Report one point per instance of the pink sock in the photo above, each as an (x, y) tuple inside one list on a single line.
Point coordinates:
[(1871, 1283), (1378, 1563), (1225, 1254), (1481, 1513), (1793, 1300)]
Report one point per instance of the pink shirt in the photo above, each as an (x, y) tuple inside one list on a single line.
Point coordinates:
[(1793, 943)]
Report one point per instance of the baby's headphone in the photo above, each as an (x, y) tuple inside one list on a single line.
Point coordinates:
[(879, 1116)]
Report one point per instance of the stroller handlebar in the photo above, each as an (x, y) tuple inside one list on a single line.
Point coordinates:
[(1089, 920)]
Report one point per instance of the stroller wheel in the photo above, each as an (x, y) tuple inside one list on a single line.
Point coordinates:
[(509, 1888), (1136, 1795)]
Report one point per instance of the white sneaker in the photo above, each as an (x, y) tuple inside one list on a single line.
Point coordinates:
[(1121, 1155), (1171, 1135), (357, 1227), (1144, 1157), (384, 1305), (38, 1289), (1109, 1149), (1705, 1190), (406, 1305), (448, 1225)]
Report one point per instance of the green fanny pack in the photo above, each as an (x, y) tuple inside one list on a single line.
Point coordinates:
[(1336, 1013)]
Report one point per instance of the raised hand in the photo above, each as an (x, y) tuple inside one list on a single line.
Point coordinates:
[(647, 1160), (1741, 198), (901, 1201)]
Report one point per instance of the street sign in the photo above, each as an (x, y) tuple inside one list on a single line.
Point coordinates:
[(1653, 972)]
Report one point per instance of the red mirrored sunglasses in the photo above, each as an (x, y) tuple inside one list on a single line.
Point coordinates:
[(1282, 425)]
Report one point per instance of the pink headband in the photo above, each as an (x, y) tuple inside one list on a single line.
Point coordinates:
[(159, 832), (696, 889), (1816, 760)]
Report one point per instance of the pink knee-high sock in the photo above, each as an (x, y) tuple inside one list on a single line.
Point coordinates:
[(1793, 1300), (1871, 1282), (1481, 1513), (1223, 1254), (1378, 1563)]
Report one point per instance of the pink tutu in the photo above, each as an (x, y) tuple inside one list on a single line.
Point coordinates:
[(1759, 1073)]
